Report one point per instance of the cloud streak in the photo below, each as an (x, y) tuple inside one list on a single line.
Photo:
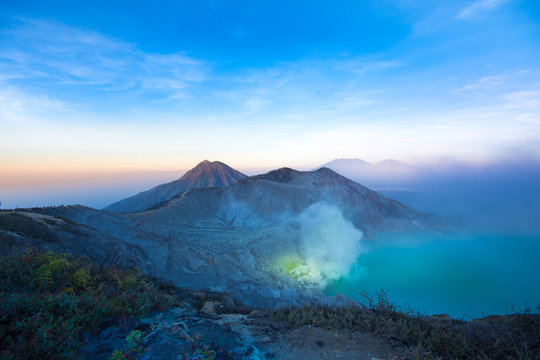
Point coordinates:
[(478, 7), (58, 55), (524, 99)]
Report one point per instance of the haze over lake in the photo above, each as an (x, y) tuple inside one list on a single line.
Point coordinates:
[(462, 275)]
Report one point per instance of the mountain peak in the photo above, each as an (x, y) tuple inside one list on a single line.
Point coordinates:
[(389, 172), (208, 164), (393, 162), (205, 174), (287, 175), (212, 173), (326, 171), (283, 174), (264, 198), (349, 160)]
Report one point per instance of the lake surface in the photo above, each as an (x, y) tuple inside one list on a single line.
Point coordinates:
[(462, 275)]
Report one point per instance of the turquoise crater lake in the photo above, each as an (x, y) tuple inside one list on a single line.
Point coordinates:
[(462, 275)]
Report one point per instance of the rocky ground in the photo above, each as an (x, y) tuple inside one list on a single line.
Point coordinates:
[(185, 332), (205, 325)]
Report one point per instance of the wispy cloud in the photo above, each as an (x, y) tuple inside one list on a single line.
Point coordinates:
[(483, 84), (41, 59), (532, 118), (478, 7), (300, 89), (507, 91), (524, 99), (19, 107), (63, 55)]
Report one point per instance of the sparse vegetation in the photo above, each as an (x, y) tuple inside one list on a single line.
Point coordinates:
[(133, 349), (47, 300), (198, 349), (497, 337), (23, 225)]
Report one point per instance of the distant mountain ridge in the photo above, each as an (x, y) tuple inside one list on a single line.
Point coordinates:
[(385, 173), (205, 174), (262, 200)]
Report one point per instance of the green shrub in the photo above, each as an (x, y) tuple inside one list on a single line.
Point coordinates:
[(47, 300), (80, 278), (198, 349), (132, 350)]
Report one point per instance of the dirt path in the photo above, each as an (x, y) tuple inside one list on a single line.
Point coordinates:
[(316, 343)]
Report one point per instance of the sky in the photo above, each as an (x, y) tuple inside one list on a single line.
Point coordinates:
[(102, 89)]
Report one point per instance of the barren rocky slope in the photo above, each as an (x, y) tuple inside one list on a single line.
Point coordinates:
[(273, 198)]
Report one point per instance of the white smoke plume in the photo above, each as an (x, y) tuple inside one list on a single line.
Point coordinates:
[(330, 245)]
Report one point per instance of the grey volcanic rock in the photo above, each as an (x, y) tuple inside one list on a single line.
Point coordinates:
[(268, 200), (205, 174), (229, 239)]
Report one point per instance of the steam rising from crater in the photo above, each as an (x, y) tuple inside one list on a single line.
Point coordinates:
[(330, 245)]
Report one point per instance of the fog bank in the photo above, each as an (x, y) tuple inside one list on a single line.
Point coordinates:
[(501, 197)]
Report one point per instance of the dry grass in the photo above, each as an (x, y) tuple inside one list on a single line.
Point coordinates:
[(508, 337)]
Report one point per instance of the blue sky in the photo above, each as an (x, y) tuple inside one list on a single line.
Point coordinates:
[(156, 86)]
